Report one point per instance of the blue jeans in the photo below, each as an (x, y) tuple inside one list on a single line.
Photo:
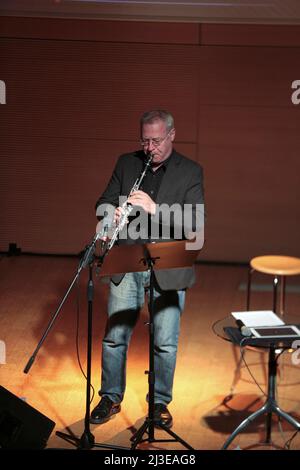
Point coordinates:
[(125, 302)]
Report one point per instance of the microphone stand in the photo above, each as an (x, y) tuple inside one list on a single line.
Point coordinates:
[(87, 439)]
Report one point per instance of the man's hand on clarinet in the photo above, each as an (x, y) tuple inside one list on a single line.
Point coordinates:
[(141, 199)]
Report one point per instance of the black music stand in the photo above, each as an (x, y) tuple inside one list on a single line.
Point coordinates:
[(164, 255), (270, 406)]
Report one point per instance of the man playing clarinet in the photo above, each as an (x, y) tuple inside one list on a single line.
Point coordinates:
[(171, 180)]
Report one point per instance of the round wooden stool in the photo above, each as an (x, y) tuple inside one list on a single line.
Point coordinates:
[(279, 267)]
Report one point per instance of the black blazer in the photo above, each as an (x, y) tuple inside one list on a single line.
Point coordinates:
[(182, 184)]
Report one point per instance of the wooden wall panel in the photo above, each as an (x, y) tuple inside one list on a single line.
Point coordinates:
[(248, 76), (253, 181), (104, 31), (250, 35), (49, 188), (249, 143), (73, 106), (98, 91), (50, 191)]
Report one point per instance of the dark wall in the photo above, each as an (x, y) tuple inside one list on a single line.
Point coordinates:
[(75, 92)]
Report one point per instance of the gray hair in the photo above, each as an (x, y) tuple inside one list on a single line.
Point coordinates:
[(158, 115)]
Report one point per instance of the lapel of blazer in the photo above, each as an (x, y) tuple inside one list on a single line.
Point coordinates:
[(169, 178)]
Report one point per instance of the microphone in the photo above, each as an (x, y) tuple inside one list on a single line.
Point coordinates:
[(245, 330)]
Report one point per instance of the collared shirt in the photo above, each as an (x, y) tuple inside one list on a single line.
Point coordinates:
[(150, 185), (154, 178)]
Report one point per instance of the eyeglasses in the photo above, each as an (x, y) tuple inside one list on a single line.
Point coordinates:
[(155, 142)]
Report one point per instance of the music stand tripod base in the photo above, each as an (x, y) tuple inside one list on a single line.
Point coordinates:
[(149, 425), (137, 438)]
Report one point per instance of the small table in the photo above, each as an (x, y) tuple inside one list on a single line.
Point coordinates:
[(227, 330)]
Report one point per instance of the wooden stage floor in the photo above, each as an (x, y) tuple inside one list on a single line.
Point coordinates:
[(30, 291)]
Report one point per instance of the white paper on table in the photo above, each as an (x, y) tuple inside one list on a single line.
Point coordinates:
[(258, 318)]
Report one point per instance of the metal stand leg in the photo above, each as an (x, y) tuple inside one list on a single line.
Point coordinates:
[(87, 439), (148, 425), (269, 407)]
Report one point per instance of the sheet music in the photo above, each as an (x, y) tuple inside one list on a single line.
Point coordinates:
[(258, 318)]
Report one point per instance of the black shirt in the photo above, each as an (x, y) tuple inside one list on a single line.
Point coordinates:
[(153, 179)]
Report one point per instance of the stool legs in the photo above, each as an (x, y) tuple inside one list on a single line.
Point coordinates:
[(282, 295), (275, 285)]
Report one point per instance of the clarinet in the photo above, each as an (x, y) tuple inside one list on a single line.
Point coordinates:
[(127, 208)]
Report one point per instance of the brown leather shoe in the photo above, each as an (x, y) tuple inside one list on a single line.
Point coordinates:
[(104, 410), (162, 416)]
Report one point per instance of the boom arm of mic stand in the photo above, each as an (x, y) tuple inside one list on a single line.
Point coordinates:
[(86, 260)]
